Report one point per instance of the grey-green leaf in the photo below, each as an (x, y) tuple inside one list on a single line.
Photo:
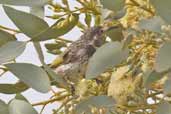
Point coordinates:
[(114, 5), (61, 27), (31, 75), (116, 34), (24, 2), (20, 97), (164, 108), (21, 107), (39, 51), (55, 77), (13, 88), (94, 101), (3, 108), (38, 11), (163, 57), (5, 37), (11, 50), (163, 9), (152, 76), (107, 56), (167, 86), (153, 24), (29, 24)]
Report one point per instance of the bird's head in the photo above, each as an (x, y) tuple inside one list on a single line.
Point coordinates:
[(96, 34)]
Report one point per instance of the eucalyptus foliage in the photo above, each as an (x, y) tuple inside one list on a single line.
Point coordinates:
[(128, 74)]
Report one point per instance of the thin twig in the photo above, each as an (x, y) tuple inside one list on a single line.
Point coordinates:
[(65, 40), (43, 108), (9, 29), (63, 104), (51, 100)]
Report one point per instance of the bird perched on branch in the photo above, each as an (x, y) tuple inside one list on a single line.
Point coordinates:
[(75, 58)]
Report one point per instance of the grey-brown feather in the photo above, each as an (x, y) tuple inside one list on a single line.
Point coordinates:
[(78, 53)]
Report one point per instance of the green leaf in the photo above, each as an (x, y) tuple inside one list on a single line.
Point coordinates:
[(61, 27), (13, 88), (94, 101), (29, 24), (116, 34), (24, 2), (163, 57), (152, 76), (129, 37), (114, 5), (38, 11), (167, 86), (20, 97), (163, 9), (21, 107), (88, 19), (107, 56), (164, 108), (153, 24), (31, 75), (53, 46), (5, 37), (39, 51), (11, 50), (3, 108), (60, 81)]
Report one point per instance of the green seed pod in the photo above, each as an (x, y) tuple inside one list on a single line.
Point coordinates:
[(68, 23), (88, 19), (52, 46), (97, 20), (56, 51), (65, 2)]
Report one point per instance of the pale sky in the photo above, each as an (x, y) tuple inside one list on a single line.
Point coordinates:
[(30, 56)]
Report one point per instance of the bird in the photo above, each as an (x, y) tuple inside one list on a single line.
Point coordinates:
[(75, 58)]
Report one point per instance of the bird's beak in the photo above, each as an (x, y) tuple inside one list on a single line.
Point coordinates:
[(108, 28)]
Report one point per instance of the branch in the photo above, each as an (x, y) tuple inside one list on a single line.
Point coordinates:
[(51, 100)]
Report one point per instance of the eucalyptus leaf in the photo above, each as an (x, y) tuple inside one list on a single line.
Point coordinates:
[(88, 19), (107, 56), (20, 97), (5, 37), (114, 5), (31, 75), (167, 86), (21, 107), (29, 24), (13, 88), (61, 27), (24, 2), (55, 77), (116, 34), (38, 11), (163, 9), (11, 50), (163, 57), (39, 51), (164, 108), (3, 108), (152, 76), (94, 101), (153, 24)]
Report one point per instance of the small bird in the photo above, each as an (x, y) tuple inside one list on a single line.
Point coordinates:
[(76, 57)]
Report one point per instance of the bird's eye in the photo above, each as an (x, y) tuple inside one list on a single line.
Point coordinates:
[(101, 31)]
